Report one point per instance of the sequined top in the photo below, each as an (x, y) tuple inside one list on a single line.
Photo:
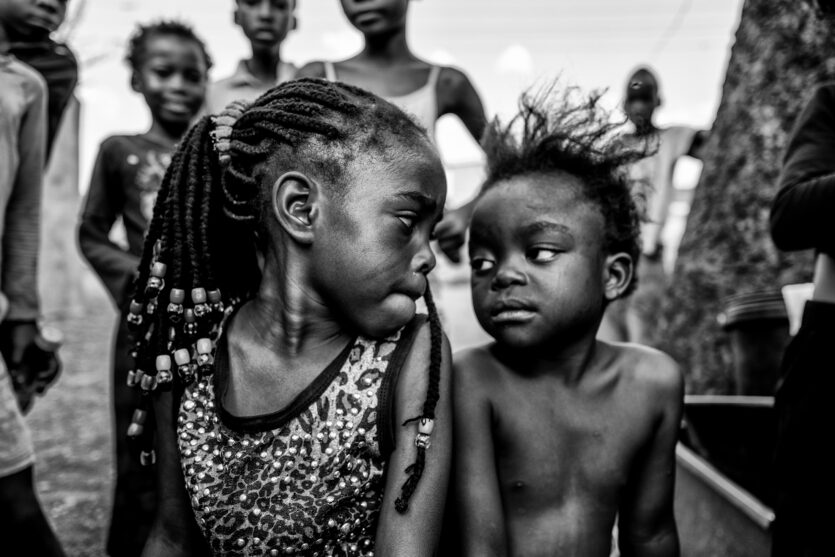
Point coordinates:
[(306, 480)]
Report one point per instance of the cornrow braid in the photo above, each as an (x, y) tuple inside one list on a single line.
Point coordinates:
[(200, 260)]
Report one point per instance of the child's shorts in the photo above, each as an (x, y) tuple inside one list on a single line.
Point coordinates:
[(16, 449)]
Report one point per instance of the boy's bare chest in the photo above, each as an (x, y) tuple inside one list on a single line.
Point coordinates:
[(562, 443)]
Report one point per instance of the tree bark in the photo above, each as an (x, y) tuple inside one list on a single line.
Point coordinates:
[(782, 50)]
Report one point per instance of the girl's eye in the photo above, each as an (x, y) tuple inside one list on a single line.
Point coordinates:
[(408, 221), (481, 264), (541, 255)]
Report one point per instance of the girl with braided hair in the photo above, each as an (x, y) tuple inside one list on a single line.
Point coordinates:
[(295, 389), (169, 67)]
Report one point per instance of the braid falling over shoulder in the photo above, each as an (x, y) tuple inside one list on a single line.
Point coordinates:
[(200, 259)]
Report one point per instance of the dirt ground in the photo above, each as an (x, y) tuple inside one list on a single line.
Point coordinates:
[(72, 429)]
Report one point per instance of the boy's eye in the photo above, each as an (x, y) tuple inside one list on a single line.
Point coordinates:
[(541, 255), (481, 264)]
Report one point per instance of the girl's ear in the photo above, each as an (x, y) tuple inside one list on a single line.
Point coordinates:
[(617, 275), (295, 199)]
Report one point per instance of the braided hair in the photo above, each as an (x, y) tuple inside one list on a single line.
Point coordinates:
[(201, 254)]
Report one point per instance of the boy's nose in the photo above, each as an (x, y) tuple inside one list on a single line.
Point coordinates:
[(507, 276), (265, 9)]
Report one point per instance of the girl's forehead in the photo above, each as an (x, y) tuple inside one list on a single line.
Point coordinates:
[(173, 46)]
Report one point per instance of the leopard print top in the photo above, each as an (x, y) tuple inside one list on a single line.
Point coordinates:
[(306, 480)]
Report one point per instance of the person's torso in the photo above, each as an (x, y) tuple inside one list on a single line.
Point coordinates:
[(307, 479), (242, 85), (138, 163), (420, 103), (565, 455)]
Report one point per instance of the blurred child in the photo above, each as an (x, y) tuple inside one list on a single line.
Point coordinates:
[(631, 319), (23, 526), (558, 434), (31, 22), (169, 69), (387, 67), (265, 23), (305, 387)]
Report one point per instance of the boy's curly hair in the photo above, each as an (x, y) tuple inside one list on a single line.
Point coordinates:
[(570, 132), (138, 42)]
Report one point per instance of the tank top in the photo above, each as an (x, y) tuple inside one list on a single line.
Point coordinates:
[(308, 479), (421, 104)]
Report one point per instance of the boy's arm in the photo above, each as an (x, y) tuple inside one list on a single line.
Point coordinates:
[(21, 236), (647, 525), (174, 532), (417, 531), (456, 95), (115, 266), (476, 485)]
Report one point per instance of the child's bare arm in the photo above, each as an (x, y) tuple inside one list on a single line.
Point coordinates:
[(476, 482), (174, 532), (311, 69), (416, 532), (102, 206), (647, 525), (456, 95)]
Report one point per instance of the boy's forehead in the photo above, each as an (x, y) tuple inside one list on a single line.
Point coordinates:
[(529, 198)]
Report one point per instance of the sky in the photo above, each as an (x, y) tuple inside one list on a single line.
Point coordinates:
[(504, 46)]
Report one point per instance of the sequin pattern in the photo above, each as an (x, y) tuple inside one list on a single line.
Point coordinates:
[(312, 486)]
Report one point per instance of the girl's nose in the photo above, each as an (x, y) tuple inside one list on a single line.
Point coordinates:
[(425, 259)]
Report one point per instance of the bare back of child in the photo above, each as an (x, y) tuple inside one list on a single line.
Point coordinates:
[(558, 435)]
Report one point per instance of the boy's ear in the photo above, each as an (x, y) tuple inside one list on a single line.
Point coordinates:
[(617, 275), (135, 82), (294, 23), (236, 19), (295, 199)]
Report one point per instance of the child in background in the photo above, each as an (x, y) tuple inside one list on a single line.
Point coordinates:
[(169, 69), (632, 319), (558, 434), (23, 526), (306, 386), (30, 28), (265, 23), (387, 67)]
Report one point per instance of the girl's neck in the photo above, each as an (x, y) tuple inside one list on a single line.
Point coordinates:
[(287, 317), (388, 47), (264, 64), (166, 135)]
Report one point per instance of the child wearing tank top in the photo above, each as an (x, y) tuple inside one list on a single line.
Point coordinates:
[(387, 67)]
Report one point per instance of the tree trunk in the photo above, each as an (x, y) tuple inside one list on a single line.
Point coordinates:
[(783, 49)]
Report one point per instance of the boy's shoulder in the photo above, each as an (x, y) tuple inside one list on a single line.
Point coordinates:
[(22, 72), (314, 68), (646, 368), (479, 367)]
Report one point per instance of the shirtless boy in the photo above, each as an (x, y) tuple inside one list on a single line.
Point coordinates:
[(557, 434)]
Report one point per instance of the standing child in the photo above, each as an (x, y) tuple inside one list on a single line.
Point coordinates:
[(387, 67), (305, 388), (631, 319), (265, 23), (23, 527), (169, 67), (558, 434)]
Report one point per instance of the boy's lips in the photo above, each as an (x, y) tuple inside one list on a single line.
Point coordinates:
[(512, 311)]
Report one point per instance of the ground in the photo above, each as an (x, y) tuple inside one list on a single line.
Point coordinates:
[(72, 430)]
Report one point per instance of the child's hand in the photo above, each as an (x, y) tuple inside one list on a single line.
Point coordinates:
[(451, 232)]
